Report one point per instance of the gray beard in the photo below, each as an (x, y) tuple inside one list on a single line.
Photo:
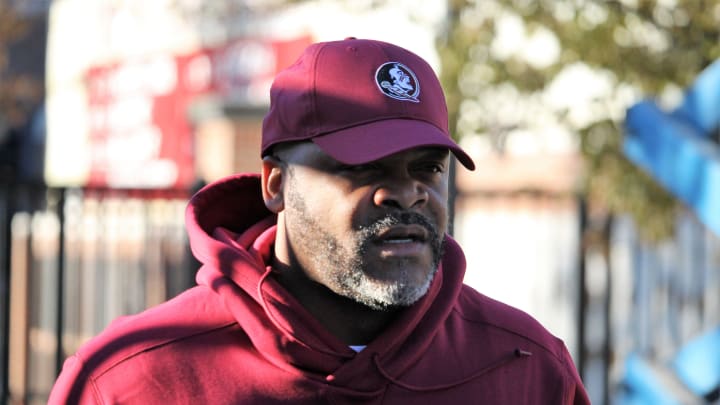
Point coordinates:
[(342, 268)]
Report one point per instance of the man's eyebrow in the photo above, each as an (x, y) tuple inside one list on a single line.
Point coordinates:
[(438, 153)]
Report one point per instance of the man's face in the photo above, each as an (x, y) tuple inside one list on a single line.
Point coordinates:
[(373, 233)]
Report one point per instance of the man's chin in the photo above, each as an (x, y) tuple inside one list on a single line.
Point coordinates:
[(392, 292), (394, 302), (402, 271)]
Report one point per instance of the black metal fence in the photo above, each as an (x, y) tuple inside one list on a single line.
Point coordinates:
[(74, 259)]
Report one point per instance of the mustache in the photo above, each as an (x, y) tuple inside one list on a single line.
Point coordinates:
[(381, 224)]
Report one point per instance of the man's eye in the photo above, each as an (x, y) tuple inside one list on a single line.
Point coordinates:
[(433, 168), (357, 168)]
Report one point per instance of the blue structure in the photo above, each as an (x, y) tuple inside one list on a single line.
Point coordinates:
[(643, 385), (677, 148), (693, 376), (697, 364), (681, 150)]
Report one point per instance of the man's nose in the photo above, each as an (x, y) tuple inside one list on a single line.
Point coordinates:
[(401, 191)]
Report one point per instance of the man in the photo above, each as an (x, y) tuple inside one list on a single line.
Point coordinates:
[(329, 278)]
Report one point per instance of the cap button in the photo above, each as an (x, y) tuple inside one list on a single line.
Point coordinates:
[(349, 38)]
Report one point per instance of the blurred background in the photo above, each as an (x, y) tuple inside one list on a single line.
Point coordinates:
[(595, 126)]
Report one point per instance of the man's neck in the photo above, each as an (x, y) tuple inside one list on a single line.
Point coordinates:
[(351, 322)]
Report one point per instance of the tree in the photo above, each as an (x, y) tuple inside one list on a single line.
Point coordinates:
[(20, 93), (635, 48)]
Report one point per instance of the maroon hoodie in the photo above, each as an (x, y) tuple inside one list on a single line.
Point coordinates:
[(240, 338)]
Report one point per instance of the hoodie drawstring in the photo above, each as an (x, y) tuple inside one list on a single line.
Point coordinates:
[(517, 353)]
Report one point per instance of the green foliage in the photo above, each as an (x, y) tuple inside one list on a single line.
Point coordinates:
[(645, 47), (12, 28)]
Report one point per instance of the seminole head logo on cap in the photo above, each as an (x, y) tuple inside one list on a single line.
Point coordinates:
[(397, 81)]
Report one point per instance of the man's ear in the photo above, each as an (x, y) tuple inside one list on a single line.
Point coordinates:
[(272, 184)]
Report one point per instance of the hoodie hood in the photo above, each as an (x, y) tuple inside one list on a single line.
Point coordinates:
[(232, 234)]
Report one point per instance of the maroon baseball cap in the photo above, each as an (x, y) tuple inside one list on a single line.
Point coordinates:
[(359, 100)]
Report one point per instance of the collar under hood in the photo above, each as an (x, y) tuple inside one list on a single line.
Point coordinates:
[(232, 234)]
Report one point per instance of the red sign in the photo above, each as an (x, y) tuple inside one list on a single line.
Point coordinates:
[(140, 133)]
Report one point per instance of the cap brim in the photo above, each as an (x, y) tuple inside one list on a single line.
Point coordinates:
[(372, 141)]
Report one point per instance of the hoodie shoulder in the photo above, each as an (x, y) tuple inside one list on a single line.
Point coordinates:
[(501, 327), (192, 313), (506, 320)]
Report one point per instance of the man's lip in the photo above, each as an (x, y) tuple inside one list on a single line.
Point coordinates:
[(416, 233)]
